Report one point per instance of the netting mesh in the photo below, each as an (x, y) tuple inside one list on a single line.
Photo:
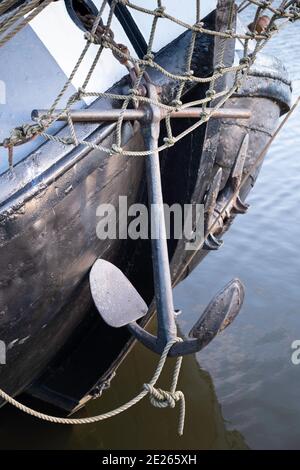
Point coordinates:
[(267, 18)]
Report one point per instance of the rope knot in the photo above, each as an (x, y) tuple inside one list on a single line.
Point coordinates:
[(245, 61), (22, 134), (199, 26), (251, 34), (210, 93), (149, 57), (68, 141), (265, 3), (295, 11), (230, 32), (177, 104), (219, 69), (160, 11), (80, 93), (116, 150), (44, 122), (169, 141), (90, 37), (189, 75), (162, 398)]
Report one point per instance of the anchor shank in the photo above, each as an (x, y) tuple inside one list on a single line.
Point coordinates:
[(160, 257)]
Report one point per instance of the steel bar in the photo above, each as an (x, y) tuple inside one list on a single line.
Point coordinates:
[(139, 114)]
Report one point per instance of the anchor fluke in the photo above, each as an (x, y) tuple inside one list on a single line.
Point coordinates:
[(117, 301), (220, 312)]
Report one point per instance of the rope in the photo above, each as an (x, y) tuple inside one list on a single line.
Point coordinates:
[(158, 398), (22, 11), (101, 35), (6, 4), (37, 9)]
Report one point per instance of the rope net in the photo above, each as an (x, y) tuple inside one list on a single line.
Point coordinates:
[(267, 18)]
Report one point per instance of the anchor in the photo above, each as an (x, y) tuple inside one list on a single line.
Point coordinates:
[(117, 300)]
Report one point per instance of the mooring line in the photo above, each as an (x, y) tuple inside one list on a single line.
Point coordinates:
[(158, 397)]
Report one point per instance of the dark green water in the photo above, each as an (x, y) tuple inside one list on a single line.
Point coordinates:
[(141, 427), (243, 390)]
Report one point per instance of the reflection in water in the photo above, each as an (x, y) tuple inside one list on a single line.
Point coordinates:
[(142, 427)]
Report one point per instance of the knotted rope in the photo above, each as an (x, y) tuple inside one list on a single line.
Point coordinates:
[(158, 397), (164, 399)]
